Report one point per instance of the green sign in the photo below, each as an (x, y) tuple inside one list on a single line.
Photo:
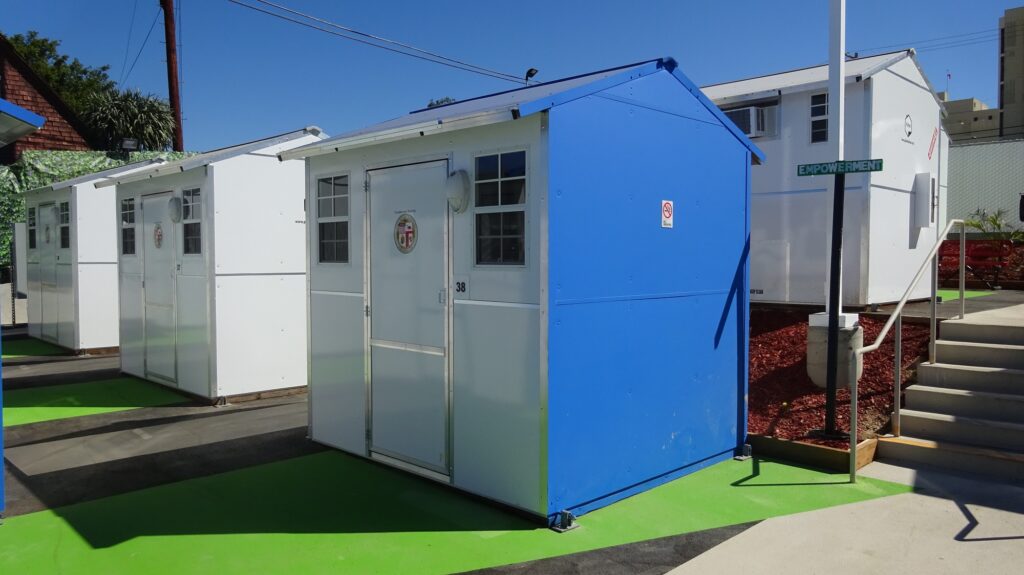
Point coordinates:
[(842, 167)]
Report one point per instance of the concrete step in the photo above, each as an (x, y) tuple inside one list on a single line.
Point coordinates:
[(981, 332), (996, 463), (984, 354), (1000, 435), (972, 377), (966, 403)]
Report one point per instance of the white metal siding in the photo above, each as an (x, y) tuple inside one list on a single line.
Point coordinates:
[(789, 214), (482, 380), (898, 242)]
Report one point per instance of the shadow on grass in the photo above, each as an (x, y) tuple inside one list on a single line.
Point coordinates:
[(122, 392), (755, 472), (329, 492)]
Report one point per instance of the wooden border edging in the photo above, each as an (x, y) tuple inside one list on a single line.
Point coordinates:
[(812, 455)]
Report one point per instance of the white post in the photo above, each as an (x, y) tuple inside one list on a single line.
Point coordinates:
[(836, 115)]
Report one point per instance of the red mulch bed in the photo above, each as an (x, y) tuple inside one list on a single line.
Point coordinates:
[(785, 403), (1013, 272)]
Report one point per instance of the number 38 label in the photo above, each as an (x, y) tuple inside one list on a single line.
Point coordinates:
[(460, 285)]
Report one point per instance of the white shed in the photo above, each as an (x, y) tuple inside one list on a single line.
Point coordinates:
[(212, 270), (892, 217), (71, 257)]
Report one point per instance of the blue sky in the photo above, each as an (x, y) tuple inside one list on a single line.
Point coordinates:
[(246, 75)]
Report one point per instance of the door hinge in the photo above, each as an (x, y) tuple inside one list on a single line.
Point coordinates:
[(366, 185), (367, 309), (369, 435)]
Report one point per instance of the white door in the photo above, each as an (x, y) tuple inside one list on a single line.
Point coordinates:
[(48, 238), (408, 307), (158, 287)]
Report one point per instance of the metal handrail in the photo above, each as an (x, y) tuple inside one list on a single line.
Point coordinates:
[(897, 319)]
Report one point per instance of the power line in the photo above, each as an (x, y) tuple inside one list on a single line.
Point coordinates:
[(127, 45), (143, 47), (958, 44), (422, 55), (382, 39), (949, 41)]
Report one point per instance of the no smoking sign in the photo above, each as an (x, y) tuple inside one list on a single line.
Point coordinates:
[(668, 213)]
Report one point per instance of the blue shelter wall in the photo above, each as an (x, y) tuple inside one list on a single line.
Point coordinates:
[(647, 363)]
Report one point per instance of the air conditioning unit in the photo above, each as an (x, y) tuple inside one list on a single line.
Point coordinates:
[(755, 121)]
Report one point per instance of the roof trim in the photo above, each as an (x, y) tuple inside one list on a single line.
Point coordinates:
[(95, 176), (538, 85), (21, 114), (627, 75), (211, 157), (483, 118), (796, 70), (756, 155)]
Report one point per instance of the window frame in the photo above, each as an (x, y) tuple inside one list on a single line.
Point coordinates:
[(501, 208), (314, 214), (31, 226), (813, 118), (195, 217), (132, 225), (63, 224)]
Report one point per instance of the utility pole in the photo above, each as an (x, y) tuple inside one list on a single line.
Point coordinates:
[(171, 43)]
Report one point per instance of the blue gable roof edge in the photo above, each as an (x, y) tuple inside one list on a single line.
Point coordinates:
[(645, 69), (27, 116), (673, 68)]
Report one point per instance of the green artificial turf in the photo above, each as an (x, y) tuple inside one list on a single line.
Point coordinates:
[(32, 405), (954, 294), (13, 348), (334, 513)]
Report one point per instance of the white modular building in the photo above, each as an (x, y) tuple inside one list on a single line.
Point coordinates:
[(70, 255), (892, 217), (211, 270)]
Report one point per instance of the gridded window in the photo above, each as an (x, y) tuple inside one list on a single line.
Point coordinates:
[(191, 214), (819, 118), (500, 200), (332, 217), (31, 218), (65, 225), (128, 226)]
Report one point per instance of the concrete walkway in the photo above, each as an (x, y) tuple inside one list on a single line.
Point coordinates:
[(950, 308), (950, 524)]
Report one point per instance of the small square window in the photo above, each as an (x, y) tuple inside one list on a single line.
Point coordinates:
[(128, 241), (65, 237), (191, 209), (487, 168), (32, 238), (193, 238), (128, 211), (333, 242)]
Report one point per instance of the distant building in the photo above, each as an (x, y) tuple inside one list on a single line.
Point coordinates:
[(21, 86), (970, 120), (1011, 72)]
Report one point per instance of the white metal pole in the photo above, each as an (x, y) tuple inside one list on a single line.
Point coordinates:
[(836, 114)]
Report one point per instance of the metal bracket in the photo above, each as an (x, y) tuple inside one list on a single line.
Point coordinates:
[(746, 452), (564, 521)]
